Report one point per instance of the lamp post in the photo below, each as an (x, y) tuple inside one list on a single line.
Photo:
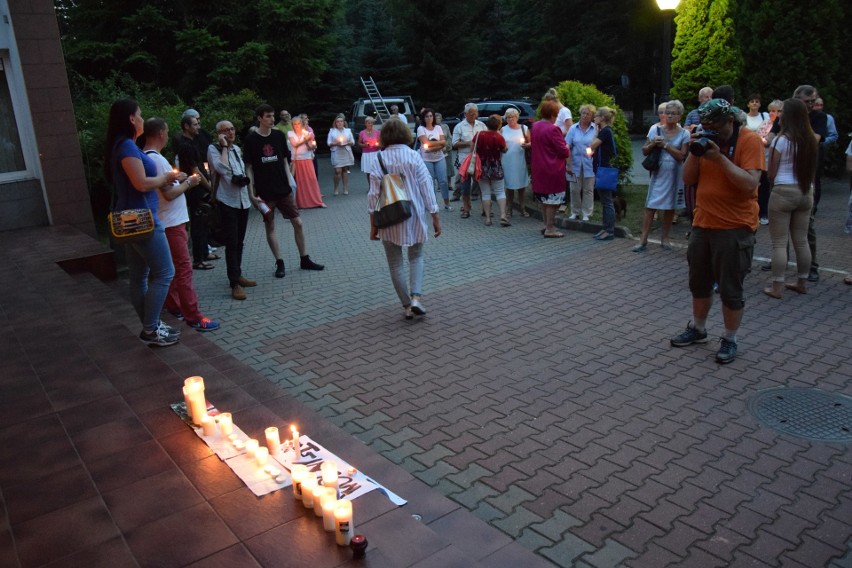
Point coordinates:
[(667, 6)]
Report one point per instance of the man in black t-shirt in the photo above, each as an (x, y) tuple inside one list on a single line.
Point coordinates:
[(268, 161), (191, 161)]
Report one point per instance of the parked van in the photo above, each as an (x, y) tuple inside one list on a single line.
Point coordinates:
[(362, 108)]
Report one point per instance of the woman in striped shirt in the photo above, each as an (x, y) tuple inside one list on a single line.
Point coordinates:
[(412, 233)]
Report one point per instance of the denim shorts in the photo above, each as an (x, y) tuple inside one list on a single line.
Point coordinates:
[(721, 256)]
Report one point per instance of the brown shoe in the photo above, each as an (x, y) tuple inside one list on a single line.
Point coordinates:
[(238, 293), (246, 283)]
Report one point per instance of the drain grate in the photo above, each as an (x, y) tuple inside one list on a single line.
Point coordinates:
[(807, 413)]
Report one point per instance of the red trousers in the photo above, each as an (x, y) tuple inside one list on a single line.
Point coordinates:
[(181, 297)]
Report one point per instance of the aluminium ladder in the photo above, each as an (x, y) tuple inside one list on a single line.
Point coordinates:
[(376, 99)]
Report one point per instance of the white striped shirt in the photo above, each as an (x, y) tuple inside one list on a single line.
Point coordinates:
[(400, 159)]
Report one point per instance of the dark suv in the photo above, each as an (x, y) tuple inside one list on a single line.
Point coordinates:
[(486, 108)]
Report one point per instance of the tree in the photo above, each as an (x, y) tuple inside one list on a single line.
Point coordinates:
[(706, 51)]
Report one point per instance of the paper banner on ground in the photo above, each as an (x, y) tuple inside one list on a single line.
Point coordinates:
[(351, 482)]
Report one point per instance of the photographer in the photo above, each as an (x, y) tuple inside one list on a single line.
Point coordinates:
[(231, 186), (725, 162)]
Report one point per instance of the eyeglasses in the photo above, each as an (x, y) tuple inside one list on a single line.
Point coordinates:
[(224, 130), (672, 113)]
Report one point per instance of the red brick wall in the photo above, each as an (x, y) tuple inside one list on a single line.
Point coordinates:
[(40, 49)]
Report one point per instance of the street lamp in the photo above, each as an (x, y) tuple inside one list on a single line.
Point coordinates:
[(665, 6)]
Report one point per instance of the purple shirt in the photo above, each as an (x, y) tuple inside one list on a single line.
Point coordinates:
[(549, 153)]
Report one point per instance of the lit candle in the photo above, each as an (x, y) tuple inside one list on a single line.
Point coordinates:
[(238, 445), (205, 166), (308, 486), (226, 424), (208, 424), (328, 470), (344, 524), (328, 504), (296, 446), (319, 492), (340, 139), (588, 151), (273, 442), (261, 455), (272, 471), (197, 408), (298, 474), (251, 448)]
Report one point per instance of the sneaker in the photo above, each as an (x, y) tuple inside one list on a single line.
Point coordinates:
[(571, 217), (727, 351), (447, 208), (245, 282), (279, 268), (813, 276), (766, 267), (204, 324), (417, 307), (764, 220), (585, 218), (168, 329), (308, 264), (238, 293), (158, 338), (177, 315), (688, 337), (640, 248)]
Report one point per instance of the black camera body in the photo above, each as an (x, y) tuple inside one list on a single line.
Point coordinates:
[(240, 181), (699, 145)]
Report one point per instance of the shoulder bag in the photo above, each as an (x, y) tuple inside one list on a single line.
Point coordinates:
[(472, 164), (652, 160), (394, 204), (606, 178), (129, 225)]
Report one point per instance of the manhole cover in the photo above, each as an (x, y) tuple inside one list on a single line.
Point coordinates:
[(806, 413)]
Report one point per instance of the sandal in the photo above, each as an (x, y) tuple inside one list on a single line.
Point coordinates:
[(465, 214), (504, 222), (524, 213), (553, 235), (203, 266), (800, 290), (488, 221), (213, 257)]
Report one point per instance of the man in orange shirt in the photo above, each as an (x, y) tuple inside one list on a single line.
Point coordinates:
[(726, 168)]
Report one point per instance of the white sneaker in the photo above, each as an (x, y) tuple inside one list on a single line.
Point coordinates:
[(417, 307), (764, 221), (585, 218), (573, 217)]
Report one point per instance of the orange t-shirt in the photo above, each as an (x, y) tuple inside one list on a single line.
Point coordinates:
[(718, 205)]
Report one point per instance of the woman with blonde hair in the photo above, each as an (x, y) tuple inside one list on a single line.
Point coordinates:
[(581, 178), (340, 142), (792, 169), (308, 196), (516, 178), (604, 150)]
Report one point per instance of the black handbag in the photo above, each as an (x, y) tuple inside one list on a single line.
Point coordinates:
[(394, 205), (652, 160)]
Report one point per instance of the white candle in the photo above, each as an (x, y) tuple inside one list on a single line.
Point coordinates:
[(272, 471), (273, 442), (205, 166), (197, 408), (329, 474), (320, 492), (298, 474), (238, 444), (329, 504), (251, 448), (261, 455), (296, 446), (344, 524), (308, 486), (208, 424), (588, 151)]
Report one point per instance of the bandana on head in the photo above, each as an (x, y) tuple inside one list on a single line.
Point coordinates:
[(715, 110)]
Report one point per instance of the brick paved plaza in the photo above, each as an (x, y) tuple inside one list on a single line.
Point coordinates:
[(541, 393)]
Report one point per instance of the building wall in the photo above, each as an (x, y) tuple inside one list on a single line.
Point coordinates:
[(65, 194)]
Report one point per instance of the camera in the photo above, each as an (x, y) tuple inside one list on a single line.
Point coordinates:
[(699, 145), (240, 181)]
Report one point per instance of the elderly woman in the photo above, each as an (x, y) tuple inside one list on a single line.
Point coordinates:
[(412, 233), (432, 142), (516, 178), (667, 180), (308, 196), (604, 151), (582, 175), (463, 145), (549, 154), (340, 142), (368, 141), (490, 146), (135, 179)]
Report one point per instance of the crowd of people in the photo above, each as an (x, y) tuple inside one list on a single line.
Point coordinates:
[(730, 170)]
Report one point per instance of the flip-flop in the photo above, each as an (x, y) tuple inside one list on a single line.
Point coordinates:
[(203, 266), (505, 223), (213, 257), (553, 235)]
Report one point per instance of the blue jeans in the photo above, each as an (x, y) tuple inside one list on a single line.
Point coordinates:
[(608, 211), (439, 170), (397, 270), (151, 256)]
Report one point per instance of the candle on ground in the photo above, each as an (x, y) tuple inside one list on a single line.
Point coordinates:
[(298, 474), (273, 442), (296, 447), (251, 447), (321, 491), (261, 455), (308, 486), (329, 504), (328, 469), (208, 424), (344, 523)]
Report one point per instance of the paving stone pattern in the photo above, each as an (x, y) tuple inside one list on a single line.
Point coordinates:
[(541, 393)]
